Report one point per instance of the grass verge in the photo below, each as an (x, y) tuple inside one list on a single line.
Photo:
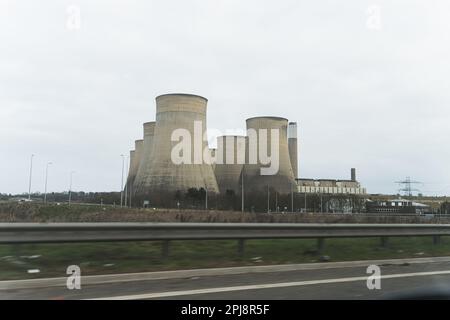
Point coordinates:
[(122, 257)]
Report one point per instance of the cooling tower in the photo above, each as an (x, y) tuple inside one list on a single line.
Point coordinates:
[(259, 142), (135, 159), (131, 174), (230, 159), (293, 147), (145, 162), (179, 116)]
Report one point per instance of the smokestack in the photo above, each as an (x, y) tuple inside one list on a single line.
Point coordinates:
[(353, 174), (144, 164), (293, 147), (229, 162), (284, 179), (175, 112)]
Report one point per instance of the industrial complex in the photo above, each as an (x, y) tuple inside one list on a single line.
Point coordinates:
[(266, 158)]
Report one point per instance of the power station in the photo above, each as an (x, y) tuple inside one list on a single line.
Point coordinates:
[(174, 155)]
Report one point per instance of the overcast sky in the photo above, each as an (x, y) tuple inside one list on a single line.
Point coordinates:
[(368, 91)]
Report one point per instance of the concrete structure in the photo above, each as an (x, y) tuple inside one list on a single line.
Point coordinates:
[(131, 171), (283, 181), (331, 186), (135, 160), (230, 159), (213, 157), (397, 206), (146, 154), (174, 112), (293, 147), (153, 169)]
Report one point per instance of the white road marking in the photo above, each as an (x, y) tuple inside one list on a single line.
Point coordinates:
[(182, 274), (265, 286)]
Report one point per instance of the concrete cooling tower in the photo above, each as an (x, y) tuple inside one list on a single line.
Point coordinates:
[(145, 162), (131, 174), (230, 159), (283, 180), (135, 159), (174, 112), (293, 147)]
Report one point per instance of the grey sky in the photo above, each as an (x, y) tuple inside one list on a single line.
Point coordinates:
[(373, 99)]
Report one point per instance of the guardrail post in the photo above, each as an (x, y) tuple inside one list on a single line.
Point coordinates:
[(165, 249), (241, 245), (384, 242), (436, 240), (320, 245)]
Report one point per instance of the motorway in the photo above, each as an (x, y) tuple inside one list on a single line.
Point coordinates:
[(348, 282)]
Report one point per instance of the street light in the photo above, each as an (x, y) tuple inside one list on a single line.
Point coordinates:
[(126, 183), (206, 198), (31, 173), (70, 186), (46, 179), (306, 209), (121, 184), (292, 197), (276, 201), (242, 196)]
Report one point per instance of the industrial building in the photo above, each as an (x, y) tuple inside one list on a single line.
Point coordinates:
[(397, 206), (331, 186), (235, 163)]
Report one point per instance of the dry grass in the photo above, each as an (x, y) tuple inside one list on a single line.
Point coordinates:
[(32, 212)]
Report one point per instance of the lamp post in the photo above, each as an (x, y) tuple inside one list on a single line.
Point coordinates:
[(31, 173), (131, 193), (306, 209), (126, 183), (242, 204), (292, 198), (206, 198), (46, 180), (321, 202), (70, 187), (121, 184), (276, 201)]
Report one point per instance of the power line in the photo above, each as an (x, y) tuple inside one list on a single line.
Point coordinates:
[(407, 188)]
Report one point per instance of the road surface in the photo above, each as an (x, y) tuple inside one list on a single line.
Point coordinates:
[(333, 283)]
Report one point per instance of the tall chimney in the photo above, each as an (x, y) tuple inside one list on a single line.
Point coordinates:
[(353, 174), (293, 147)]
